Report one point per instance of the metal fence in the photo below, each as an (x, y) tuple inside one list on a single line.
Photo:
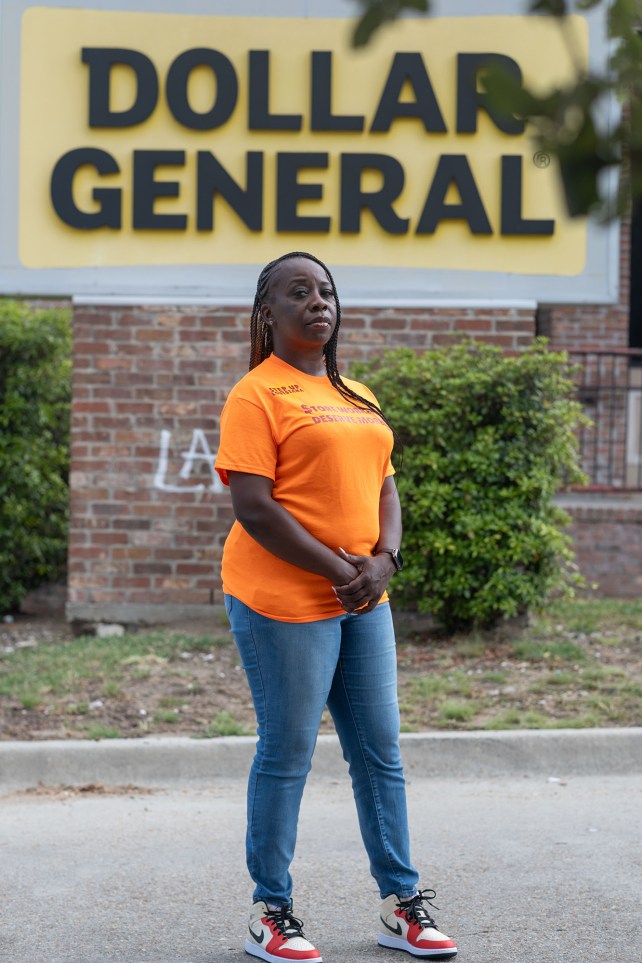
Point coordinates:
[(609, 385)]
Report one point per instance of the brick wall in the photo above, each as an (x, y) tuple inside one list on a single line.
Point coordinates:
[(607, 538), (602, 327), (148, 515)]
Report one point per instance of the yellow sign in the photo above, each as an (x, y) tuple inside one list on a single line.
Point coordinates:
[(164, 139)]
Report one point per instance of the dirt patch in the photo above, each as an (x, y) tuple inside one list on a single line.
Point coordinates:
[(187, 695), (23, 631), (87, 790), (578, 666)]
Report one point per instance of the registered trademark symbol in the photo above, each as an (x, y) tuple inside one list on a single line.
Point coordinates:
[(541, 159)]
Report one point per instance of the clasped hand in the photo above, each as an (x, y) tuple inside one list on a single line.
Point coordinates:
[(364, 591)]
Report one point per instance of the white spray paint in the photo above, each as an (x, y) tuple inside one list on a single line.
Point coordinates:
[(199, 450)]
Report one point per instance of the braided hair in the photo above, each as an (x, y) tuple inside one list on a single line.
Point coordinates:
[(261, 343)]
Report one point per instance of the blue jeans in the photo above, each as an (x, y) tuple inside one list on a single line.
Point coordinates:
[(294, 670)]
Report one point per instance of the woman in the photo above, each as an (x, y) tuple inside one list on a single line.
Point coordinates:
[(305, 568)]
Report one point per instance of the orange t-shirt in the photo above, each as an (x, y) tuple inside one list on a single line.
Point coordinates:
[(328, 461)]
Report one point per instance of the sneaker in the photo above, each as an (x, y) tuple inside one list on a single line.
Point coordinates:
[(409, 926), (277, 935)]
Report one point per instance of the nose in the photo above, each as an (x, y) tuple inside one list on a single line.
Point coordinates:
[(317, 301)]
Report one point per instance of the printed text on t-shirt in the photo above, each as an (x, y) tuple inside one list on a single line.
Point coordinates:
[(286, 390), (348, 413)]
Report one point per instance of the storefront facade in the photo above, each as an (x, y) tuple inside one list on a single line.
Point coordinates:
[(163, 153)]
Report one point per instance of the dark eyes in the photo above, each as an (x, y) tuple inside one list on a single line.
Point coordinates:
[(302, 292)]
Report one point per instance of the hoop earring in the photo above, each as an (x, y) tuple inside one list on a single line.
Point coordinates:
[(264, 320)]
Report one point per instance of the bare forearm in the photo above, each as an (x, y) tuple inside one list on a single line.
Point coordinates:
[(390, 525), (277, 531)]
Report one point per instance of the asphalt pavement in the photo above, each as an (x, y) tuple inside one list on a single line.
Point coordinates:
[(539, 861)]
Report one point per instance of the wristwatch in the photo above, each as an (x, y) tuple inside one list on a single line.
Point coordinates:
[(395, 554)]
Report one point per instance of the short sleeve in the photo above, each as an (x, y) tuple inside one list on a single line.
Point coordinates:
[(247, 441)]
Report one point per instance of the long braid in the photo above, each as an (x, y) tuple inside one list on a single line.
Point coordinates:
[(261, 344)]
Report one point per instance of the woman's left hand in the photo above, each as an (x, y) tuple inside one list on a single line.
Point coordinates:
[(364, 592)]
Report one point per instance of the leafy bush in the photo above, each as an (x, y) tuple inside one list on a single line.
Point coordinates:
[(488, 439), (35, 393)]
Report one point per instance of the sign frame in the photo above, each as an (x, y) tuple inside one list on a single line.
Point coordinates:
[(598, 282)]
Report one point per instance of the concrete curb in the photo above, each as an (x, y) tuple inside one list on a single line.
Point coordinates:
[(183, 762)]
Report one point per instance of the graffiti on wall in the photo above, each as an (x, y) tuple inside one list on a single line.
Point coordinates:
[(198, 453)]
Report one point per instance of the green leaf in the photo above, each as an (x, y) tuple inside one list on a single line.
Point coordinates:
[(378, 12), (555, 8)]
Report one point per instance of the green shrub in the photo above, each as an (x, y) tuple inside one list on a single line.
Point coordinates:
[(487, 441), (35, 392)]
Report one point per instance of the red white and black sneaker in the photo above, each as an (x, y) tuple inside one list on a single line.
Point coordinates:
[(277, 935), (409, 926)]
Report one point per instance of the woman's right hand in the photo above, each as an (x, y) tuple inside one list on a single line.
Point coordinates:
[(365, 592)]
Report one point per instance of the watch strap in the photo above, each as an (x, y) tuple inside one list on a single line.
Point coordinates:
[(394, 554)]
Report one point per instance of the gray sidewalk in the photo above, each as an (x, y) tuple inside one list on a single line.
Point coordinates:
[(183, 762)]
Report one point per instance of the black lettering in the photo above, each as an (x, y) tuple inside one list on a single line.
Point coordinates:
[(147, 189), (100, 61), (512, 221), (213, 179), (227, 88), (322, 117), (470, 99), (354, 199), (409, 67), (259, 114), (289, 192), (454, 169), (62, 195)]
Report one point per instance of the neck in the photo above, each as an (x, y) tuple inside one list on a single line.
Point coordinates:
[(312, 365)]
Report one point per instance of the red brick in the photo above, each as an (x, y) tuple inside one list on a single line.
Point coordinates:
[(148, 598), (473, 325), (193, 569), (516, 324), (91, 348), (109, 538), (153, 334), (389, 323), (131, 552), (91, 407)]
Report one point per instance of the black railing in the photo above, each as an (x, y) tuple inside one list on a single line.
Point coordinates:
[(609, 386)]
